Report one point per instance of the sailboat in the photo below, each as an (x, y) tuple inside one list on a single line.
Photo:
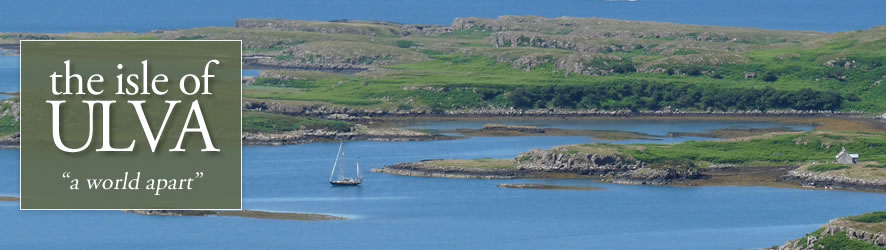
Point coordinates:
[(340, 164)]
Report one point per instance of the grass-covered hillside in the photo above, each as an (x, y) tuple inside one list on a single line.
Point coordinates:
[(535, 62)]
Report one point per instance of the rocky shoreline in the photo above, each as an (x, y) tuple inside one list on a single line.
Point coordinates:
[(346, 113), (12, 141), (829, 181)]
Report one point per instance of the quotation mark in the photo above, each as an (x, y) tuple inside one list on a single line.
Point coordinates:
[(66, 175), (199, 175)]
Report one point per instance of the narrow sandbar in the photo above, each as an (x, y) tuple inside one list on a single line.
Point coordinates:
[(242, 213), (548, 187), (7, 198)]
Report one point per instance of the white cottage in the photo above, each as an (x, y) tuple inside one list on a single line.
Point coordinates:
[(846, 158)]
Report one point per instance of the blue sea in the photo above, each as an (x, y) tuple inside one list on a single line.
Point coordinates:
[(142, 16)]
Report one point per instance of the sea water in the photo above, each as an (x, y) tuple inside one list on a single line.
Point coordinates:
[(403, 212)]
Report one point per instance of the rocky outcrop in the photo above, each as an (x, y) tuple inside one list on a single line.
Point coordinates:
[(616, 168), (831, 181), (10, 107), (878, 238), (528, 62), (750, 75), (12, 141), (526, 39), (655, 176), (840, 63), (811, 241), (580, 163), (594, 64)]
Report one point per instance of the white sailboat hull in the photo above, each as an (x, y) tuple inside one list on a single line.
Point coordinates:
[(339, 163)]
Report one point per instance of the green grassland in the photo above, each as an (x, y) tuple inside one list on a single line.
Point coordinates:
[(273, 123), (535, 62), (8, 125), (478, 163), (794, 70), (566, 63)]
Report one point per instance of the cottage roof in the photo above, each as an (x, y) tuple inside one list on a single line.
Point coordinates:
[(843, 152)]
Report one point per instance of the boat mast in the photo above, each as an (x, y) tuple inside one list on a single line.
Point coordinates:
[(341, 170), (358, 169), (336, 160)]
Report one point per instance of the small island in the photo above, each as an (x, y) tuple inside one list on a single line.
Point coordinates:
[(792, 159)]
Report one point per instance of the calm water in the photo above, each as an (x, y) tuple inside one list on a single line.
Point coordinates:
[(9, 71), (251, 72), (411, 212), (130, 15), (649, 127)]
